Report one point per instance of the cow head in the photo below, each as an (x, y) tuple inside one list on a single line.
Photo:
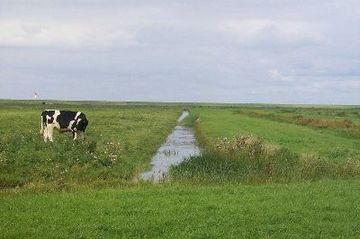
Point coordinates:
[(81, 124)]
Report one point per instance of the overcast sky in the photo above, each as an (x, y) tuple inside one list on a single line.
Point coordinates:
[(209, 51)]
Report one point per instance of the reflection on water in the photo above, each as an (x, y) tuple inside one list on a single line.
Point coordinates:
[(179, 145)]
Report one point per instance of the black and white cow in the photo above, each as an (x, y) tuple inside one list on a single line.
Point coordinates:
[(64, 121)]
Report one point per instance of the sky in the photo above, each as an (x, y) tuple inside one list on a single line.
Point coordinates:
[(239, 51)]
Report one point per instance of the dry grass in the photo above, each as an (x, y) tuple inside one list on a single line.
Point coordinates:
[(345, 125), (311, 167)]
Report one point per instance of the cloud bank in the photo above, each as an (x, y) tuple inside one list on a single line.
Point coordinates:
[(228, 51)]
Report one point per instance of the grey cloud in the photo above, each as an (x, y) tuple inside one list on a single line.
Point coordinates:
[(217, 51)]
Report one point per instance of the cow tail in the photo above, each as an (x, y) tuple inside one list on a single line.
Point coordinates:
[(41, 124)]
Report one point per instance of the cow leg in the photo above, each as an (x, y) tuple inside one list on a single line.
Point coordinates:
[(41, 126), (74, 135), (81, 135), (45, 134), (50, 133)]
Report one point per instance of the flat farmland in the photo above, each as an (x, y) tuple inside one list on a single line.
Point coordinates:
[(265, 172)]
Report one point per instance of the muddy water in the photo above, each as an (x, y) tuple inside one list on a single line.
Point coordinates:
[(179, 145)]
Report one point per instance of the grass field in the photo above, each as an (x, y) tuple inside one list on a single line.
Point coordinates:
[(287, 180), (326, 142), (328, 209), (120, 142), (243, 147)]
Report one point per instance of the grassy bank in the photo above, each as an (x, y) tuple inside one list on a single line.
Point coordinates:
[(326, 209), (219, 123), (243, 148), (120, 142)]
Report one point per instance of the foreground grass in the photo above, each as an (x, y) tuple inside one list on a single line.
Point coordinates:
[(326, 209), (120, 142)]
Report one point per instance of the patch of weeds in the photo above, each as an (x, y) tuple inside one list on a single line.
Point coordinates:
[(248, 159), (241, 159)]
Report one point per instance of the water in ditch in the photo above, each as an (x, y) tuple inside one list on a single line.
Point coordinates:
[(179, 145)]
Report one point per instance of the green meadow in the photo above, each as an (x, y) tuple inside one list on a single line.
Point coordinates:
[(326, 209), (119, 144), (327, 142), (242, 145), (266, 171)]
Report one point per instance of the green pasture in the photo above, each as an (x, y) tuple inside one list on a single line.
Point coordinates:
[(89, 189), (240, 147), (217, 123), (325, 209), (335, 112), (120, 141)]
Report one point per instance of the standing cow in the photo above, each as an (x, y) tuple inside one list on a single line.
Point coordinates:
[(64, 121)]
